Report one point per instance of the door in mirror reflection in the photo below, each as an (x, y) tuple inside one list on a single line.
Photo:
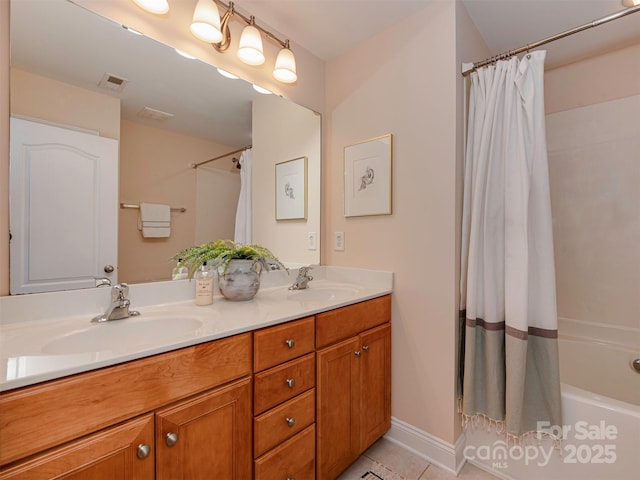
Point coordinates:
[(63, 202)]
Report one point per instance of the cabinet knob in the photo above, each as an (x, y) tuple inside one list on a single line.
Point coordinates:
[(143, 451), (108, 269), (290, 342), (365, 348), (291, 382), (290, 421), (357, 353), (290, 478), (171, 438)]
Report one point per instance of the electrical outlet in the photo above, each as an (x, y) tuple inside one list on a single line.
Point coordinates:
[(312, 241), (338, 241)]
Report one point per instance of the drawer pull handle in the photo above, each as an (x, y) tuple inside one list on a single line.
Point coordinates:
[(357, 353), (290, 478), (291, 382), (365, 348), (290, 421), (143, 451), (171, 438), (290, 342)]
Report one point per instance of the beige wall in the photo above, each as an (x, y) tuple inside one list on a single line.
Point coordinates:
[(296, 134), (598, 79), (46, 99), (155, 168), (4, 147), (403, 81), (593, 139)]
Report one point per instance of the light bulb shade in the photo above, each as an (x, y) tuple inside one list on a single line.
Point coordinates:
[(285, 69), (206, 22), (250, 48), (153, 6)]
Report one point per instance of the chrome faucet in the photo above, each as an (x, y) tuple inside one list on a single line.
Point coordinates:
[(119, 306), (102, 282), (303, 279)]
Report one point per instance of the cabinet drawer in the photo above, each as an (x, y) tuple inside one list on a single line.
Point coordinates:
[(283, 382), (278, 344), (48, 414), (278, 424), (293, 459), (349, 321)]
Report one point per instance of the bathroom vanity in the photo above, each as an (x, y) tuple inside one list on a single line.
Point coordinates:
[(301, 397)]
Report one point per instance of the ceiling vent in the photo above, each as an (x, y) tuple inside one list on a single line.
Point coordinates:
[(112, 82), (153, 114)]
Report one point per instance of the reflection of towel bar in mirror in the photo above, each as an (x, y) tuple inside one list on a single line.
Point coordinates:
[(128, 205)]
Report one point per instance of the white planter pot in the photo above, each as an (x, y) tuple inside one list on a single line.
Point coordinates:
[(241, 281)]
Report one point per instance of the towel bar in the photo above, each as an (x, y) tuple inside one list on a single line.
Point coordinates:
[(128, 205)]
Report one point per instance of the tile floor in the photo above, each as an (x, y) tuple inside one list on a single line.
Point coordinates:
[(398, 463)]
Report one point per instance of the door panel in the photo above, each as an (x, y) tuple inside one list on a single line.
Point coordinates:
[(337, 413), (375, 394), (63, 207), (208, 437)]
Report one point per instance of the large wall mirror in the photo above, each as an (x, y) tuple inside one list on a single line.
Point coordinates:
[(73, 69)]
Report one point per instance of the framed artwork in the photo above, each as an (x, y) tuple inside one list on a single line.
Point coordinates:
[(367, 177), (291, 189)]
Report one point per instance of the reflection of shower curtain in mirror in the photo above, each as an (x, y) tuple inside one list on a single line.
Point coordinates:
[(243, 213)]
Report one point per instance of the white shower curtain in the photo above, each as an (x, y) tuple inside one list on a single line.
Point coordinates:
[(243, 213), (507, 267)]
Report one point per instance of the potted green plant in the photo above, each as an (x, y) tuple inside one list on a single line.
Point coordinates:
[(238, 266)]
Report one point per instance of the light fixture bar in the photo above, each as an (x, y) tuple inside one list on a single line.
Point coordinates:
[(230, 7)]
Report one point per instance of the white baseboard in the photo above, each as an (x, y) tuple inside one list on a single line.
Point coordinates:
[(438, 452)]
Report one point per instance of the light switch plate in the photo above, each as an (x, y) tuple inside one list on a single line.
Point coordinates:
[(338, 241), (312, 241)]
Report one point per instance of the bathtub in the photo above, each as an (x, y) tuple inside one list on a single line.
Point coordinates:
[(600, 408)]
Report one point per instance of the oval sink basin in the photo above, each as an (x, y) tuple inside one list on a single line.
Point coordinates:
[(123, 335), (321, 293)]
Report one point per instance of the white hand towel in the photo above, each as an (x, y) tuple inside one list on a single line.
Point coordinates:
[(154, 220)]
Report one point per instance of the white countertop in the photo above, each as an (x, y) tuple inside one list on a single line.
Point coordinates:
[(48, 336)]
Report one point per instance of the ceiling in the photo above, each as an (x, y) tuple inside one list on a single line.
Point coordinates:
[(328, 28)]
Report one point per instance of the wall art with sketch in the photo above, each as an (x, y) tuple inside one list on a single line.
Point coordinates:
[(367, 177), (291, 189)]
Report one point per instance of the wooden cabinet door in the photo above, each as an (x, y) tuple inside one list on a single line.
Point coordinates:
[(207, 437), (107, 455), (375, 385), (337, 414)]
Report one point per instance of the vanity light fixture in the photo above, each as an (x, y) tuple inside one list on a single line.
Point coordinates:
[(158, 7), (285, 69), (250, 50), (630, 3), (206, 22)]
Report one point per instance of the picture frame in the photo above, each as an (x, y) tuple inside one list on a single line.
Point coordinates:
[(367, 177), (291, 189)]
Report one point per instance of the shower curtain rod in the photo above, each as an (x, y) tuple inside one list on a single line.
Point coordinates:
[(196, 165), (467, 68)]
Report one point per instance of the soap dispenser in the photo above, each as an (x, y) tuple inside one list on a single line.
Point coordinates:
[(204, 285), (180, 272)]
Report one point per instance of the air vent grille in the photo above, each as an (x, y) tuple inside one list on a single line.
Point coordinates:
[(113, 82)]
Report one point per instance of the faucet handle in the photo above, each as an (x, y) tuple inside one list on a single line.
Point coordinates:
[(304, 271), (120, 291)]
